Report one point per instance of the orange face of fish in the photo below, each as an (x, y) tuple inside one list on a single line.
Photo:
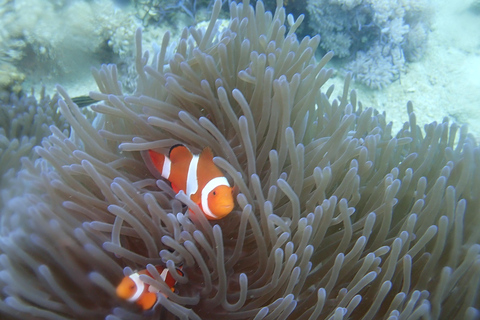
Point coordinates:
[(126, 289), (136, 292), (220, 201)]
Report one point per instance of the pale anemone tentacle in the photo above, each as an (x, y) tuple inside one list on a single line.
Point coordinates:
[(335, 218)]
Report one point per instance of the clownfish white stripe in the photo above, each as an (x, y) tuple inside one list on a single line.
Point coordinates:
[(139, 286), (212, 184), (192, 182), (164, 273), (167, 164)]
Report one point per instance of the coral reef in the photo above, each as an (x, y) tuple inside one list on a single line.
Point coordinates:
[(415, 43), (46, 40), (43, 40), (336, 218), (343, 30), (475, 7), (173, 11), (377, 37), (377, 67), (11, 78)]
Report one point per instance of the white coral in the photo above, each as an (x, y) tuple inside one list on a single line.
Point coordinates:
[(414, 5), (386, 9), (396, 29), (346, 4)]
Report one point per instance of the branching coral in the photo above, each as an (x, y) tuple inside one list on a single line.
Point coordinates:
[(377, 67), (335, 219), (372, 30), (352, 22)]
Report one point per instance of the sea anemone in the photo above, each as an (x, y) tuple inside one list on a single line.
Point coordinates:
[(24, 122), (335, 218)]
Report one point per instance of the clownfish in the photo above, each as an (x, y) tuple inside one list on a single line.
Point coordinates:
[(132, 289), (197, 176)]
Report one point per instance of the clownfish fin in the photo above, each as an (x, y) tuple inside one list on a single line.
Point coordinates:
[(208, 168), (154, 162), (184, 170), (196, 197), (179, 153), (235, 191), (175, 146), (180, 271), (175, 188), (206, 154)]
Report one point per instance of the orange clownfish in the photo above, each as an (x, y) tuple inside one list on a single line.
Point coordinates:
[(133, 289), (197, 176)]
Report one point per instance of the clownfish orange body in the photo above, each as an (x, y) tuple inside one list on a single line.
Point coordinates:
[(132, 289), (197, 176)]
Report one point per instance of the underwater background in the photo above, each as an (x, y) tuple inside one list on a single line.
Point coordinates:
[(426, 51), (366, 200)]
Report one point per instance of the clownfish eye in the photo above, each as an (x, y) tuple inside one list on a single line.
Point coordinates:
[(214, 193)]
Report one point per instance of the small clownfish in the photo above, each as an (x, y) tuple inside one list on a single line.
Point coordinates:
[(133, 289), (197, 176)]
